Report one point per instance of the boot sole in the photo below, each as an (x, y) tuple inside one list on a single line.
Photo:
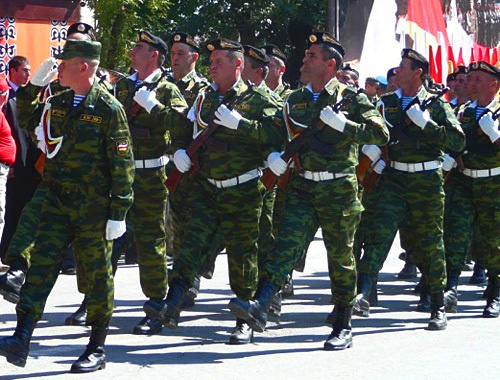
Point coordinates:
[(238, 312), (139, 331), (434, 327), (12, 359), (237, 342), (489, 315), (87, 370), (329, 347), (9, 296)]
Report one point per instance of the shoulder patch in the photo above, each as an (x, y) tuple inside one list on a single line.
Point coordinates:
[(122, 147)]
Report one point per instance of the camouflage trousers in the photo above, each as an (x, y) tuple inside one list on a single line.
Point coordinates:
[(266, 237), (416, 199), (77, 216), (333, 206), (474, 202), (21, 245), (236, 211), (146, 222)]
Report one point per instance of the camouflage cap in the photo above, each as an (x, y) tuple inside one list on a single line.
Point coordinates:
[(82, 49), (326, 38), (274, 51), (256, 54), (224, 44), (349, 67), (416, 57), (82, 28), (485, 67), (154, 41), (184, 38)]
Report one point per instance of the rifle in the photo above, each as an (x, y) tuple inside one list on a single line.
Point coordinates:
[(269, 179), (176, 175)]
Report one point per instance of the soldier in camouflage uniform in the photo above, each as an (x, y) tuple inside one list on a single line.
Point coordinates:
[(277, 67), (475, 199), (226, 191), (89, 172), (35, 93), (151, 115), (324, 193), (412, 187), (185, 52)]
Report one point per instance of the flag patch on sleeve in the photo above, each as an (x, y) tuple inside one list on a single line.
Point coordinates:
[(122, 147)]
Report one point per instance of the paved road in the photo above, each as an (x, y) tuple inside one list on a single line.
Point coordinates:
[(391, 344)]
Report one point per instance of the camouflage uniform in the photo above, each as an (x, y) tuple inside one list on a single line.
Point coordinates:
[(89, 181), (415, 197), (151, 137), (332, 204), (235, 208), (474, 200)]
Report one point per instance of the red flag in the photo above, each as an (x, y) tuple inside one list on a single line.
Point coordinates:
[(452, 65), (460, 61), (428, 15), (472, 58), (433, 72), (439, 66), (487, 55), (494, 57), (479, 54)]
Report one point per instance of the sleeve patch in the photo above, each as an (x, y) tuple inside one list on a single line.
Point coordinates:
[(122, 147)]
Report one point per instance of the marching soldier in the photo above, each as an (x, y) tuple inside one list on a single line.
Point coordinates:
[(324, 193), (412, 184), (475, 201), (277, 68), (348, 75), (89, 173), (226, 191), (152, 114)]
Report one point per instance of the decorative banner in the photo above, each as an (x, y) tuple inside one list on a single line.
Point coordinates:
[(34, 39)]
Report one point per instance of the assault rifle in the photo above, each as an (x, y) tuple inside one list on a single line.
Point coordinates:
[(176, 175), (269, 179)]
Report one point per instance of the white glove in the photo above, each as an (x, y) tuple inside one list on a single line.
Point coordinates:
[(146, 99), (41, 139), (227, 118), (373, 152), (277, 165), (419, 117), (115, 229), (490, 127), (335, 120), (182, 161), (45, 73), (379, 167), (448, 163)]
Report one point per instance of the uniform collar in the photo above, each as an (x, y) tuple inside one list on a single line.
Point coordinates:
[(150, 78), (492, 106), (12, 85), (92, 96), (330, 86)]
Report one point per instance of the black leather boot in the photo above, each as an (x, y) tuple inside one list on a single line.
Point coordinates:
[(242, 333), (492, 309), (451, 293), (409, 271), (255, 312), (10, 284), (191, 294), (438, 315), (94, 357), (341, 335), (362, 303), (373, 293), (148, 326), (275, 308), (479, 275), (16, 348), (79, 317), (169, 310), (424, 303), (287, 290)]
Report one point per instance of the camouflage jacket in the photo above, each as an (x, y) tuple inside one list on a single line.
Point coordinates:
[(151, 132), (96, 149), (283, 90), (442, 132), (339, 151), (190, 85), (259, 132), (480, 152)]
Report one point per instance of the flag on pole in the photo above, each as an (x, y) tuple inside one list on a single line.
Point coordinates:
[(452, 64)]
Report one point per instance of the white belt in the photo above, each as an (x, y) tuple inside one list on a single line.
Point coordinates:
[(417, 166), (481, 173), (321, 176), (245, 177), (151, 163)]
